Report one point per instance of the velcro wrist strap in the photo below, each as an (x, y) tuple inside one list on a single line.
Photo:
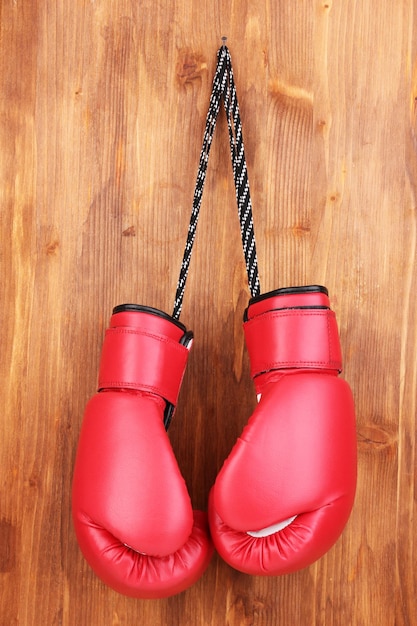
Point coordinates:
[(293, 338), (143, 361)]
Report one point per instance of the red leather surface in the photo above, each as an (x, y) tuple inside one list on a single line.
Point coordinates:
[(131, 509), (295, 457), (140, 576), (292, 338), (286, 300), (126, 477), (144, 319), (133, 358)]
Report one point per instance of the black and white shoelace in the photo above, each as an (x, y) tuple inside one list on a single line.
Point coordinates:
[(223, 88)]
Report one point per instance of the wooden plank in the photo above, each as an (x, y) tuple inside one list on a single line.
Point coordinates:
[(102, 110)]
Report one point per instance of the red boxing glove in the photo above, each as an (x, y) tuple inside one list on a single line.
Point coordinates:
[(284, 494), (131, 509)]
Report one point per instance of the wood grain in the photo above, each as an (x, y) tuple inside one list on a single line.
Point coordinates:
[(102, 109)]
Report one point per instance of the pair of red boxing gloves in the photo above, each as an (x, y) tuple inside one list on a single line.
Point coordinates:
[(282, 497)]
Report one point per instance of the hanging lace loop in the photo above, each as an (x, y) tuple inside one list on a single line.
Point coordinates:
[(223, 88)]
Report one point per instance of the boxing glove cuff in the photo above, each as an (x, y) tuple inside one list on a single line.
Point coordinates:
[(293, 338), (140, 353)]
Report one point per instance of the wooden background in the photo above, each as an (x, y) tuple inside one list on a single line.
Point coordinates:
[(102, 113)]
